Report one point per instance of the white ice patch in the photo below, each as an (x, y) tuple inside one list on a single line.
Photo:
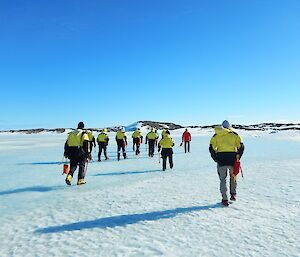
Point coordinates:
[(132, 208)]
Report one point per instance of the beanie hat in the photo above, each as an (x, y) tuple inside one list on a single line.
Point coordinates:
[(80, 125), (226, 124)]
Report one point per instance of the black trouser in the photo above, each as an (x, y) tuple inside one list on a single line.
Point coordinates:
[(151, 143), (167, 152), (187, 143), (137, 142), (74, 162), (137, 151), (134, 141), (90, 146), (121, 145), (102, 146)]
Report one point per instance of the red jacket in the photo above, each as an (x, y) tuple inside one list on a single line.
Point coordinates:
[(186, 136)]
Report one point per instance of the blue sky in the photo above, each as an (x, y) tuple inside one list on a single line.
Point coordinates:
[(116, 62)]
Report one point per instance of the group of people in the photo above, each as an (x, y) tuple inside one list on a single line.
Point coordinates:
[(226, 147)]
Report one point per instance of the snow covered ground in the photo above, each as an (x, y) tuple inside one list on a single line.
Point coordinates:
[(131, 208)]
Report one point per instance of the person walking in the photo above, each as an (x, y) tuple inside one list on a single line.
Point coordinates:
[(121, 140), (166, 144), (102, 141), (92, 143), (151, 138), (137, 139), (77, 149), (186, 139), (226, 146)]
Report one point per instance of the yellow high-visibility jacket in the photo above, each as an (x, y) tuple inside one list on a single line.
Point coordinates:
[(102, 137), (120, 135), (166, 142), (76, 138), (151, 135), (137, 134), (91, 136), (226, 146), (225, 140)]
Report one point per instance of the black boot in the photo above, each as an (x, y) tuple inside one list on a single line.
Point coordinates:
[(225, 203), (233, 197)]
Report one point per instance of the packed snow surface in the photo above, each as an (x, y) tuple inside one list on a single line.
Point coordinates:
[(132, 208)]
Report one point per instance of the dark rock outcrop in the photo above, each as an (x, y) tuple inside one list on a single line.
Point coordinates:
[(171, 126)]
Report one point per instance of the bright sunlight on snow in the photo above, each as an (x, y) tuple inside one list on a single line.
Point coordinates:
[(132, 208)]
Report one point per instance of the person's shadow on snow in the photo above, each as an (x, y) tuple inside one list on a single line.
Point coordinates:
[(40, 189), (126, 172), (124, 220)]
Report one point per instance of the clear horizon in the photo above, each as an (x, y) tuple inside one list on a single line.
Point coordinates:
[(126, 125), (111, 62)]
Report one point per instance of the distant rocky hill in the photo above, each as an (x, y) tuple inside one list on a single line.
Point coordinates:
[(258, 127), (35, 131), (155, 125), (170, 126), (269, 126)]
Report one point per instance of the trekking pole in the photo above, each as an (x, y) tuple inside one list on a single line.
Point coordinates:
[(85, 167), (238, 157)]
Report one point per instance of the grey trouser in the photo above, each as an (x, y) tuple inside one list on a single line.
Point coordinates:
[(223, 171)]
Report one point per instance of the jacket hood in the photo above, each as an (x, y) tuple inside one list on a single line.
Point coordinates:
[(219, 130), (167, 136)]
